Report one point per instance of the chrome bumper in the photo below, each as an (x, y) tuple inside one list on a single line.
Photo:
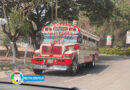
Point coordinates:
[(51, 67)]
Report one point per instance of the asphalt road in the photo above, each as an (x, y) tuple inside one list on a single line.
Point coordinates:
[(110, 73)]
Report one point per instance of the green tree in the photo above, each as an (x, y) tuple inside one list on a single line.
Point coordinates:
[(17, 26), (117, 25), (6, 44), (42, 14), (97, 11)]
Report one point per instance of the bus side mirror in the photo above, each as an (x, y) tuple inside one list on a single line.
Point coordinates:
[(79, 39)]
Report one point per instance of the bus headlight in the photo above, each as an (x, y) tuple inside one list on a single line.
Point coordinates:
[(36, 54)]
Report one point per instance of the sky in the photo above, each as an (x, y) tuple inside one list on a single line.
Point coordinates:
[(2, 21)]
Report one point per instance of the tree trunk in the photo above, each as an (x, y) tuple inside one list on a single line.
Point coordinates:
[(34, 42), (8, 52), (34, 37), (16, 50)]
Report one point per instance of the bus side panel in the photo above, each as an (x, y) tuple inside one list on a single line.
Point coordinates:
[(84, 55), (93, 53), (96, 56)]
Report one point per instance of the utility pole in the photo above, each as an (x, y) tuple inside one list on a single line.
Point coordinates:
[(56, 9)]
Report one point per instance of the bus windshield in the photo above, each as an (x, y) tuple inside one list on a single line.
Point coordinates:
[(63, 38)]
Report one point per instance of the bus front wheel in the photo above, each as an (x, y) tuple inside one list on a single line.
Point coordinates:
[(74, 67)]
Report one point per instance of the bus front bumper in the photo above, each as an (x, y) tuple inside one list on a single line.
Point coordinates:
[(51, 67)]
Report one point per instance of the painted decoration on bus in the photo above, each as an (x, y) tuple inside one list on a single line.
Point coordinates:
[(64, 38), (60, 33), (60, 28)]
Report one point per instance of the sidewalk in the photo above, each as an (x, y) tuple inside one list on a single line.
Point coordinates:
[(7, 74), (6, 69)]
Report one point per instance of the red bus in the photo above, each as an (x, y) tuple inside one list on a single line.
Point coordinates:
[(65, 47)]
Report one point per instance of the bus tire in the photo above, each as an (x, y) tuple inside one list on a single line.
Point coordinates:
[(74, 67), (92, 64), (37, 71), (87, 65)]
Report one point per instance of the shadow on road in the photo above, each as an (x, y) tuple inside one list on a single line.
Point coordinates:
[(82, 71), (101, 65)]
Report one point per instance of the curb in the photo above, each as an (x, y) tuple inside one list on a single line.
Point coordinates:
[(111, 55)]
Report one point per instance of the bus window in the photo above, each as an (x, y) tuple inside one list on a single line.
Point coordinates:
[(60, 28)]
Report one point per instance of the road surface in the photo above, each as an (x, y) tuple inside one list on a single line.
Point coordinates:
[(110, 73)]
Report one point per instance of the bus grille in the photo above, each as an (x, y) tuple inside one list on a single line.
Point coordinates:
[(55, 50)]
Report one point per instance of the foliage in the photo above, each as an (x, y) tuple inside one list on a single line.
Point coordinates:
[(18, 23), (121, 14), (118, 51), (5, 40), (97, 10), (68, 10), (112, 15), (6, 43), (16, 26), (117, 25), (42, 14)]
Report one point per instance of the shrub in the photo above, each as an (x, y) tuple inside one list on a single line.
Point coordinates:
[(117, 51)]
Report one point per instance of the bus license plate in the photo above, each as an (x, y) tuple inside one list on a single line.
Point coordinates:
[(50, 61)]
